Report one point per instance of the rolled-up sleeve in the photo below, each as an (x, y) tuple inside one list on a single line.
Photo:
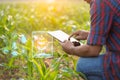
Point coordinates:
[(101, 20)]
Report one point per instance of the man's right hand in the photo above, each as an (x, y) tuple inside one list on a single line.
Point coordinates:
[(79, 35)]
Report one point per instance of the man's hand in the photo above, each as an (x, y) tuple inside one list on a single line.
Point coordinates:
[(81, 51), (79, 35), (67, 46)]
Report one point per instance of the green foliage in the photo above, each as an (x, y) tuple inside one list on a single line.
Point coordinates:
[(18, 20)]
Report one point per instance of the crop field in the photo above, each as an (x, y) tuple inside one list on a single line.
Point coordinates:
[(18, 20)]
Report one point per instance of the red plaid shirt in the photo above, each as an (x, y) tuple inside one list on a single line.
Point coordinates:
[(105, 30)]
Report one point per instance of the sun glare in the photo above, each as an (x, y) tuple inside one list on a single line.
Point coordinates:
[(50, 1)]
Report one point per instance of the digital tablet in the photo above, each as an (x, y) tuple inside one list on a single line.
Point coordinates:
[(61, 36)]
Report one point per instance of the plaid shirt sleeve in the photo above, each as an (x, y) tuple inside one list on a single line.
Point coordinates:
[(101, 20)]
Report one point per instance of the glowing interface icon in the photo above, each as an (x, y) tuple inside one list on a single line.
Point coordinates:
[(42, 42)]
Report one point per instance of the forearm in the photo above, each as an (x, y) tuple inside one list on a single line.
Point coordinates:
[(86, 50)]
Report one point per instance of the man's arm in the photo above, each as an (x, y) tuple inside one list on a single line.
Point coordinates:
[(86, 50), (82, 51)]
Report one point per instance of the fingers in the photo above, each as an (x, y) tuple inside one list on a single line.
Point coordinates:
[(61, 43), (79, 35), (73, 34), (70, 36), (66, 46), (65, 41)]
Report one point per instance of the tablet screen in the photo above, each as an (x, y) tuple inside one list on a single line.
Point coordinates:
[(61, 36)]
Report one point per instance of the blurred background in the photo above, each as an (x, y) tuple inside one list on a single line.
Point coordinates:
[(19, 18)]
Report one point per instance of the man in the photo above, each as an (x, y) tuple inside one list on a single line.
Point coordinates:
[(105, 30)]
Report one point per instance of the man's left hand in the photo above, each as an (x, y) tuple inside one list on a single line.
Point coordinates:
[(67, 46)]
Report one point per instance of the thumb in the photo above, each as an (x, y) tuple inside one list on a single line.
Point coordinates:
[(61, 43)]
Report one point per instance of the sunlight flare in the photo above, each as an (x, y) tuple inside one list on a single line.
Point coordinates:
[(50, 1)]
